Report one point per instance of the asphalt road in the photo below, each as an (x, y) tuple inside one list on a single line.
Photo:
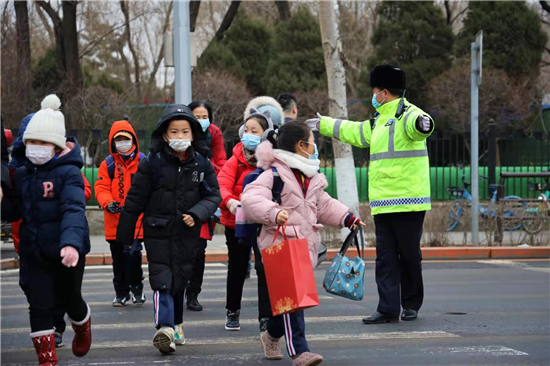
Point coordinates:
[(474, 313)]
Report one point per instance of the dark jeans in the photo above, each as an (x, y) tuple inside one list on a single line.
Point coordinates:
[(50, 286), (168, 308), (398, 261), (293, 327), (195, 283), (239, 256), (128, 274)]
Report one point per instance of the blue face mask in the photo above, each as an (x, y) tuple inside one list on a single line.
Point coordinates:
[(205, 123), (375, 103), (315, 155), (250, 141)]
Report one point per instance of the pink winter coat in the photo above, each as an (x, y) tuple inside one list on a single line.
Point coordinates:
[(307, 215)]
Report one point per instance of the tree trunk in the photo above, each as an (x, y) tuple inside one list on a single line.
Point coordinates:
[(73, 71), (58, 32), (23, 54), (137, 69), (227, 19), (284, 9), (194, 6), (336, 75)]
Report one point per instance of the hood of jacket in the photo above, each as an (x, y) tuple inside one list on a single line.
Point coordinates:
[(116, 128), (18, 154), (178, 111), (71, 155), (239, 154)]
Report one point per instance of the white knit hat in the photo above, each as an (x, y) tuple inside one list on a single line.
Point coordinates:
[(48, 124)]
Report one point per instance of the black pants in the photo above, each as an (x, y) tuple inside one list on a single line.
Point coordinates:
[(195, 283), (239, 256), (128, 274), (293, 327), (49, 285), (398, 261)]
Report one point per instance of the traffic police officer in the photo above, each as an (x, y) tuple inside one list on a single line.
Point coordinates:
[(399, 188)]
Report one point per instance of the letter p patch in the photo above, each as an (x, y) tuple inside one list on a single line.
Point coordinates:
[(48, 189)]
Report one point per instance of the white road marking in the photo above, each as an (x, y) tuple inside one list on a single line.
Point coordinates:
[(488, 350), (110, 267), (518, 265), (254, 339), (16, 283), (106, 303)]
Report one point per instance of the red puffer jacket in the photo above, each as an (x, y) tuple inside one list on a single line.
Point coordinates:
[(219, 157), (231, 180)]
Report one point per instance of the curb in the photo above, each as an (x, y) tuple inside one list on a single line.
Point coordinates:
[(450, 253)]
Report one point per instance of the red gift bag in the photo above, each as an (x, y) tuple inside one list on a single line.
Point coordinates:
[(289, 274)]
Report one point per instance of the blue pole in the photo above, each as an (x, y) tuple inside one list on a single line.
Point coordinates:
[(182, 53)]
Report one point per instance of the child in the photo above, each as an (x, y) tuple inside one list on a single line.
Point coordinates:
[(48, 195), (231, 179), (214, 142), (176, 189), (111, 187), (305, 206)]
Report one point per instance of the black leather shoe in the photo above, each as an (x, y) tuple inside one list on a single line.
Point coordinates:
[(192, 302), (409, 314), (379, 318)]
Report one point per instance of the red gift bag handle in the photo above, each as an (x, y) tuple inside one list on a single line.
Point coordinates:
[(284, 232)]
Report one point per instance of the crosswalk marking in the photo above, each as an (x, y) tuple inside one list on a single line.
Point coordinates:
[(255, 339)]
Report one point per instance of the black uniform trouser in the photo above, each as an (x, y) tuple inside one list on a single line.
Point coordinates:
[(239, 255), (398, 261), (195, 284), (127, 271)]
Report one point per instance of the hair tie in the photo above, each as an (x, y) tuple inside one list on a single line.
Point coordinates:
[(276, 134)]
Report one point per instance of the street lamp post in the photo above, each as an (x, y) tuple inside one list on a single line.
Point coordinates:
[(182, 52)]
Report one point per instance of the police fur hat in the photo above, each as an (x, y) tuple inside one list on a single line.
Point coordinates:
[(388, 76)]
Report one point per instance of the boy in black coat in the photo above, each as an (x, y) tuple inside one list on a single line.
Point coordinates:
[(48, 195), (177, 190)]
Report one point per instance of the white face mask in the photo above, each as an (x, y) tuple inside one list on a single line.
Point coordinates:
[(179, 144), (39, 154), (123, 146)]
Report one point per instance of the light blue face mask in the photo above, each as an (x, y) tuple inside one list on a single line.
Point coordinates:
[(250, 141), (315, 155), (205, 123), (375, 103)]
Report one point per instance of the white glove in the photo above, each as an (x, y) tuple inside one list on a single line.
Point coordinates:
[(70, 256), (232, 206), (425, 123), (313, 123)]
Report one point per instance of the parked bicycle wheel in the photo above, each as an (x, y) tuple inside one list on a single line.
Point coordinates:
[(453, 215), (513, 211), (533, 221)]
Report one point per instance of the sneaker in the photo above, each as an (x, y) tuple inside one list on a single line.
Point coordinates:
[(193, 303), (178, 335), (120, 301), (138, 299), (307, 359), (58, 340), (232, 320), (164, 340), (263, 324), (272, 351)]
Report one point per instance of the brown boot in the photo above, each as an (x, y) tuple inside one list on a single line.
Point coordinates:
[(271, 346), (82, 335), (44, 344), (307, 359)]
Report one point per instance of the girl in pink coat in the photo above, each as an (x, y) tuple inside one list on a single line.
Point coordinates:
[(305, 206)]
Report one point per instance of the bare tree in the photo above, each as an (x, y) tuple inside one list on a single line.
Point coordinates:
[(23, 52), (336, 76), (228, 19), (194, 6), (124, 4)]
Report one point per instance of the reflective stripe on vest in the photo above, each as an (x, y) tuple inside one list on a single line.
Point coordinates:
[(391, 153), (400, 202), (336, 129)]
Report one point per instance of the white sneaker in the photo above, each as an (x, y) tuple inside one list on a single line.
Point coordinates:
[(164, 340), (178, 335)]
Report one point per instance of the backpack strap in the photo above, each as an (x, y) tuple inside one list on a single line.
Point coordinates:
[(277, 186), (154, 163), (110, 161)]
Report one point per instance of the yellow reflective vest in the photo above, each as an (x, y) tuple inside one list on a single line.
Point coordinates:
[(399, 171)]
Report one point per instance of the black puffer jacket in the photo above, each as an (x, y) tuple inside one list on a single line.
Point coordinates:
[(164, 188)]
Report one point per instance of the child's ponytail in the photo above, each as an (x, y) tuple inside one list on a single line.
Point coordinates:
[(288, 135)]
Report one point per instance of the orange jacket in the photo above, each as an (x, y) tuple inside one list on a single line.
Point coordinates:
[(116, 190)]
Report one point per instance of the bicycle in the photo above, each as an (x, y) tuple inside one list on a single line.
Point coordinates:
[(535, 217), (512, 218)]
